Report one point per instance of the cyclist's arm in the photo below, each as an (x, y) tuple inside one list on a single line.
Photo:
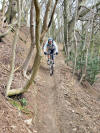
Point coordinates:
[(56, 50)]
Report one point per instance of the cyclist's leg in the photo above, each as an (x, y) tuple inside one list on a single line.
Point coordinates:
[(53, 55), (48, 61)]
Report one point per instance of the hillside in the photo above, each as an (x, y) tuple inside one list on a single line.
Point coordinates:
[(57, 104)]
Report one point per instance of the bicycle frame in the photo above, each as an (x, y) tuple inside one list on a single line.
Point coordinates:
[(51, 67), (51, 64)]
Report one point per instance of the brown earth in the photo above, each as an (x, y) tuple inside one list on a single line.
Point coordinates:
[(58, 103)]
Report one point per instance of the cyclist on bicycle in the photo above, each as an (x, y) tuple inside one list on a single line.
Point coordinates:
[(50, 47)]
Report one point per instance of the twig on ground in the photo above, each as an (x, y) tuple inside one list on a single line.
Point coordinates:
[(2, 114), (2, 65)]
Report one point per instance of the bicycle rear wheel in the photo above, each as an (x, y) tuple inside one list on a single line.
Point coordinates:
[(51, 70)]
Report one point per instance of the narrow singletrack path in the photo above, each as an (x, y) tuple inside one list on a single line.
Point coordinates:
[(46, 110), (63, 105)]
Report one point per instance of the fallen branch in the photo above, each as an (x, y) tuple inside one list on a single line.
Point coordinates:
[(4, 67)]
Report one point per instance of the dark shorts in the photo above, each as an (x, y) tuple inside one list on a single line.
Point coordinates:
[(51, 52)]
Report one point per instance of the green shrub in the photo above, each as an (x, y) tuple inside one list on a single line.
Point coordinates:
[(23, 101), (93, 66)]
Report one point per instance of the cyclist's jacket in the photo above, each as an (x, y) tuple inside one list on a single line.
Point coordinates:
[(51, 47)]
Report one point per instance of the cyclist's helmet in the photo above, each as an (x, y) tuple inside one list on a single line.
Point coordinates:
[(50, 40)]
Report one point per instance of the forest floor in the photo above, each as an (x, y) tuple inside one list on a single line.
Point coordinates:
[(56, 104)]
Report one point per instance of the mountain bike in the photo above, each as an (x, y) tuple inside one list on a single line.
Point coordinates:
[(51, 63)]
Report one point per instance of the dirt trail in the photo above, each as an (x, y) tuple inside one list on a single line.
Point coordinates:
[(46, 109), (63, 106)]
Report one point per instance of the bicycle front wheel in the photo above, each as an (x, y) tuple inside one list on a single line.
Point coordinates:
[(51, 70)]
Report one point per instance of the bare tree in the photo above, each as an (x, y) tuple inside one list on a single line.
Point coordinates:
[(3, 12), (14, 48), (88, 39), (11, 12), (37, 57), (75, 37), (27, 60), (84, 49), (66, 26), (45, 21), (45, 28)]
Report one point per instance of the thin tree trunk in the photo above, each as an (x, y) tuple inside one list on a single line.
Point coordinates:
[(46, 16), (92, 41), (28, 58), (88, 42), (53, 32), (65, 27), (3, 4), (3, 12), (37, 57), (75, 37), (13, 50), (45, 31), (11, 12)]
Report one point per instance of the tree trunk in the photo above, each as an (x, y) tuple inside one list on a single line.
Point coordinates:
[(46, 16), (3, 12), (28, 58), (37, 57), (88, 42), (65, 26), (75, 37), (11, 12), (13, 50), (52, 15), (53, 31)]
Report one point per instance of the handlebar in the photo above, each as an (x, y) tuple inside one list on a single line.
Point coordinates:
[(50, 54)]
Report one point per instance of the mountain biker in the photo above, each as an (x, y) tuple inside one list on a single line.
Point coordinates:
[(50, 47)]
